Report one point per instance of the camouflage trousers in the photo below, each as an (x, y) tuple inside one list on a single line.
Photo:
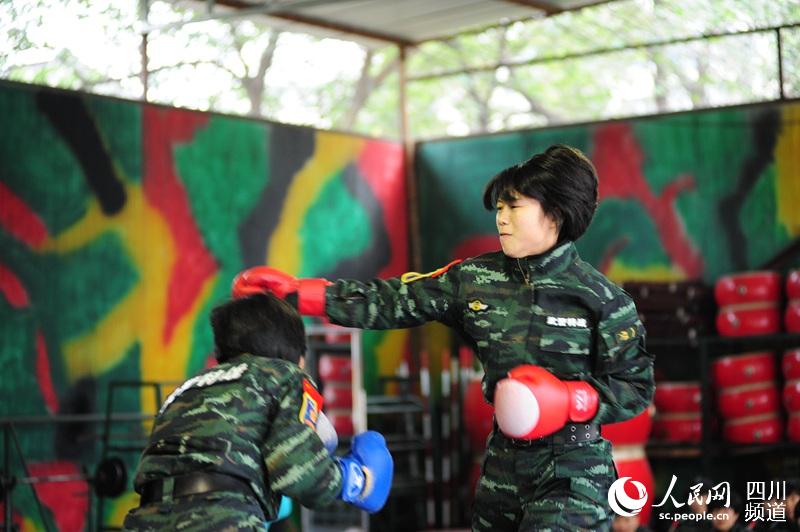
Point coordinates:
[(544, 487), (218, 511)]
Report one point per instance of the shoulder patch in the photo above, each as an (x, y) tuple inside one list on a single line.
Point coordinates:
[(311, 405), (626, 334), (410, 277)]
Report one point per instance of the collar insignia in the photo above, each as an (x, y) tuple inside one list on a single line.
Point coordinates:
[(476, 305)]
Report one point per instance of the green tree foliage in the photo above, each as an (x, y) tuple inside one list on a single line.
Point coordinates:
[(617, 59)]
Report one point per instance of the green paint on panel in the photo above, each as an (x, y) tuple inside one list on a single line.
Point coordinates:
[(642, 247), (17, 358), (77, 290), (336, 227), (711, 148), (370, 341), (37, 165), (764, 234), (452, 177), (120, 125), (223, 169)]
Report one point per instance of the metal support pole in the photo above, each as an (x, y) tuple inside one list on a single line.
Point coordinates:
[(7, 472), (144, 74), (705, 407), (781, 93)]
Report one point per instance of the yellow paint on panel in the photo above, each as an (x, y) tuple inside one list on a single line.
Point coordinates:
[(332, 152), (120, 507), (389, 351), (787, 163), (620, 272), (140, 316), (28, 525)]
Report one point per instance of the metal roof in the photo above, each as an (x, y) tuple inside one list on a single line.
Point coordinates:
[(404, 22)]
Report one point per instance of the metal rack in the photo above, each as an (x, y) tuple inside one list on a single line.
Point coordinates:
[(706, 349), (339, 515)]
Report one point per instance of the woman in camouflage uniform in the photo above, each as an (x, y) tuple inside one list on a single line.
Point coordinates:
[(533, 303)]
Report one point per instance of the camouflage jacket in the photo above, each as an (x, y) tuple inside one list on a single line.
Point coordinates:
[(553, 310), (252, 418)]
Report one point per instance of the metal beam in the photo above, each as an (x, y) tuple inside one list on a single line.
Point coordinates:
[(598, 51), (547, 7), (339, 27), (244, 9)]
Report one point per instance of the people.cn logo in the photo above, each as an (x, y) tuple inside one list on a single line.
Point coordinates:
[(623, 504)]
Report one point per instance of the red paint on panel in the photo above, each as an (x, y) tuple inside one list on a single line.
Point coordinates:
[(619, 158), (381, 164), (69, 501), (163, 129), (20, 220), (12, 289), (477, 245), (43, 375)]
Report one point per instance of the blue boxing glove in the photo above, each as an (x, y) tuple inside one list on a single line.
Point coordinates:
[(367, 472)]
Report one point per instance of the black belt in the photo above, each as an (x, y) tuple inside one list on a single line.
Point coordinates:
[(571, 433), (191, 484)]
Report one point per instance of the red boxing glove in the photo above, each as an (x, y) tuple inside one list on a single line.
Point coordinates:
[(310, 292), (532, 402)]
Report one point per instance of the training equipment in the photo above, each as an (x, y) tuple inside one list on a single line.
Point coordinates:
[(678, 428), (327, 433), (746, 368), (791, 364), (748, 287), (791, 317), (752, 320), (631, 461), (367, 472), (793, 427), (765, 428), (310, 292), (633, 432), (748, 400), (532, 402), (677, 397), (793, 284)]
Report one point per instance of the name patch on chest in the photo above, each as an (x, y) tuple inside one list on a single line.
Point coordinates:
[(560, 321)]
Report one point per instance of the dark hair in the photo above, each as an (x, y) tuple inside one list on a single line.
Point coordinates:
[(562, 179), (261, 325)]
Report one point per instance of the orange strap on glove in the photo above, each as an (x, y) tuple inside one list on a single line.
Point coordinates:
[(532, 402), (310, 292)]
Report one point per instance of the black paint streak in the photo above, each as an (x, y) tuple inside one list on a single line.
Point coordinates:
[(290, 148), (765, 129), (70, 117)]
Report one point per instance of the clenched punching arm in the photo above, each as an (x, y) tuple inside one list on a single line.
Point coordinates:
[(310, 293), (393, 303)]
